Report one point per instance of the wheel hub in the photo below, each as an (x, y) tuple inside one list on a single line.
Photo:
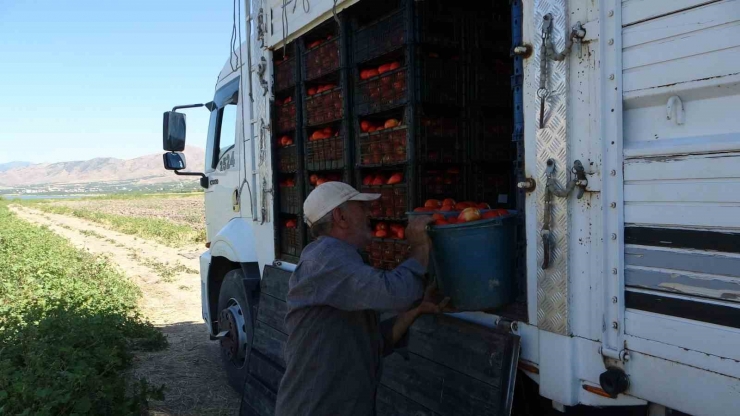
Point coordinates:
[(234, 342)]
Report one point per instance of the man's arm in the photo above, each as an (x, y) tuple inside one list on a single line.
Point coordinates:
[(428, 305)]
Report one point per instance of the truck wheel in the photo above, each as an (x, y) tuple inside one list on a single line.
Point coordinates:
[(235, 320)]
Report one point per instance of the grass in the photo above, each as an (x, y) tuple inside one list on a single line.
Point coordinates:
[(163, 270), (91, 233), (163, 231), (68, 326)]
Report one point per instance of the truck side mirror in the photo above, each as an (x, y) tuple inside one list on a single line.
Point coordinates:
[(174, 133), (174, 161)]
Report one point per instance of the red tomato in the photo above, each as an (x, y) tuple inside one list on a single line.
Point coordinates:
[(381, 234)]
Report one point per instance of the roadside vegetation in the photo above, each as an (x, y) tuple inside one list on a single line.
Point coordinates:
[(69, 326)]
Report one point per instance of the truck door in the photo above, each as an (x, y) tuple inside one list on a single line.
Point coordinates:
[(222, 160)]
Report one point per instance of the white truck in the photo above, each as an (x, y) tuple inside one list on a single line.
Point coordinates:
[(629, 289)]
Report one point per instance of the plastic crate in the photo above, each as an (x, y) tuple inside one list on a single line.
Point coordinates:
[(322, 59), (285, 117), (285, 74), (438, 23), (288, 159), (381, 92), (489, 82), (490, 136), (387, 254), (439, 78), (393, 204), (291, 200), (384, 147), (439, 139), (488, 29), (380, 37), (441, 182), (326, 154), (338, 175), (291, 239), (324, 107), (495, 188)]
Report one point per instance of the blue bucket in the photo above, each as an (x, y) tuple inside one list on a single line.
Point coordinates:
[(474, 262)]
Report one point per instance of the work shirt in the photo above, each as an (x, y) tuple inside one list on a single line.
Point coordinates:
[(336, 343)]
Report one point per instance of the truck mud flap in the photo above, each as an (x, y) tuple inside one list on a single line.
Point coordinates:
[(449, 366)]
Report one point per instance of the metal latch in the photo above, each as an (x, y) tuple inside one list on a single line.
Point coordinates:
[(527, 185), (553, 188), (235, 200)]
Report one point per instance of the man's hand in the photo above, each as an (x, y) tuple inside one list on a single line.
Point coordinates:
[(416, 231), (416, 234), (433, 302)]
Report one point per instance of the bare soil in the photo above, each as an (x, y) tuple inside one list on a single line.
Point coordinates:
[(190, 368)]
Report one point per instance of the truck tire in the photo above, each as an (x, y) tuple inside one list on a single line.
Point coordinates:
[(235, 318)]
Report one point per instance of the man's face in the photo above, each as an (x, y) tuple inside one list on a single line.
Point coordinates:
[(357, 216)]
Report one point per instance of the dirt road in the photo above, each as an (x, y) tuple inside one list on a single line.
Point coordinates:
[(169, 281)]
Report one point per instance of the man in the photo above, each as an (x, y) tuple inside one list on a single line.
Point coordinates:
[(336, 343)]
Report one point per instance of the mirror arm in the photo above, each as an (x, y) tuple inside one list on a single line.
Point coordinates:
[(178, 107), (203, 178)]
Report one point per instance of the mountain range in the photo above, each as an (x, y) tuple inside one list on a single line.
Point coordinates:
[(141, 170)]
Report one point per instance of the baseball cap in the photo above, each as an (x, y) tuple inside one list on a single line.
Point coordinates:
[(328, 196)]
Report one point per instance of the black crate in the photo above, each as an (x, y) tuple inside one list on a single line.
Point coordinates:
[(287, 159), (381, 92), (488, 29), (291, 239), (440, 182), (489, 81), (321, 59), (387, 254), (291, 199), (323, 107), (285, 74), (490, 135), (286, 118), (439, 138), (439, 77), (393, 204), (384, 147), (329, 153), (380, 37), (438, 23), (493, 185), (330, 176)]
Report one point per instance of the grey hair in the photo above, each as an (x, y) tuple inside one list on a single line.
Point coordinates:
[(323, 226)]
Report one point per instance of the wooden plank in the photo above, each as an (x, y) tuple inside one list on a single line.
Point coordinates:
[(686, 260), (390, 403), (266, 371), (682, 214), (258, 397), (246, 410), (272, 312), (683, 333), (440, 388), (687, 283), (270, 342), (634, 11), (275, 282), (471, 349), (683, 167)]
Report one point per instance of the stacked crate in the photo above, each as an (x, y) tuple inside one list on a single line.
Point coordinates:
[(408, 90), (287, 150), (489, 104), (326, 108)]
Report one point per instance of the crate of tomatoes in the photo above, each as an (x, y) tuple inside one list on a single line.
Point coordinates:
[(290, 196), (291, 236), (325, 149), (323, 104), (285, 114), (394, 198), (287, 155), (382, 143), (321, 57), (380, 87)]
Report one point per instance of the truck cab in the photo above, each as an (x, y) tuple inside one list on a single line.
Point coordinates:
[(607, 126)]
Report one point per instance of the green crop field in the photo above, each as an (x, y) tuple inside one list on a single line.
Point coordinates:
[(174, 220), (68, 328)]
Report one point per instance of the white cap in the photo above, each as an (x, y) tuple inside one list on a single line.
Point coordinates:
[(328, 196)]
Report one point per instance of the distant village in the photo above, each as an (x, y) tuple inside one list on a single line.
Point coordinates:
[(100, 188)]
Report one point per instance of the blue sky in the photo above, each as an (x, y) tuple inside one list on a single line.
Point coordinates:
[(91, 78)]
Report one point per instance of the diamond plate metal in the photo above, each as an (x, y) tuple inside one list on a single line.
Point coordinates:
[(552, 284)]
